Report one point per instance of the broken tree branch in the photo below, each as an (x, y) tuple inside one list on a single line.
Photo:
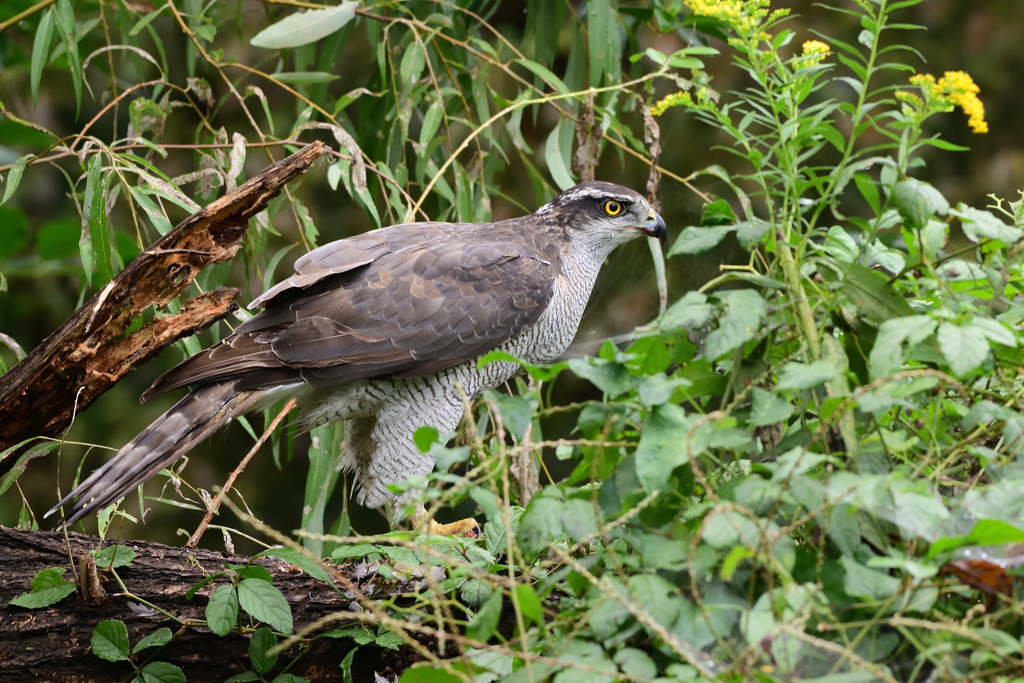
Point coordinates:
[(89, 353)]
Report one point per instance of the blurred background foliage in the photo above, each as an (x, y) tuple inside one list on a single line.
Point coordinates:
[(40, 224)]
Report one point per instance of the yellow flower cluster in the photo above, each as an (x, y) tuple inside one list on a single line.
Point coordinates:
[(955, 88), (674, 100), (814, 52), (743, 16)]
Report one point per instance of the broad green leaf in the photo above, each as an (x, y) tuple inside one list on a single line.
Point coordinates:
[(529, 604), (917, 201), (515, 412), (158, 638), (485, 622), (695, 240), (867, 584), (48, 588), (768, 408), (162, 672), (869, 190), (110, 640), (262, 640), (691, 312), (427, 674), (872, 294), (541, 524), (265, 602), (965, 347), (978, 224), (662, 446), (994, 331), (610, 377), (222, 610), (888, 352), (302, 28), (800, 376), (41, 52), (744, 311), (114, 556), (557, 154), (749, 233)]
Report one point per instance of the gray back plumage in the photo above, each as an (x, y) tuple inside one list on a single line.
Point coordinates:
[(405, 301)]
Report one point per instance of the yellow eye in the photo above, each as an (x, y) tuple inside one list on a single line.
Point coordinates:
[(612, 208)]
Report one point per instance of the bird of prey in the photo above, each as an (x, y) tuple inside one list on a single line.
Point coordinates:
[(382, 329)]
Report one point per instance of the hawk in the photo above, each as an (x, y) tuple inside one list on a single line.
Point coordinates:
[(382, 329)]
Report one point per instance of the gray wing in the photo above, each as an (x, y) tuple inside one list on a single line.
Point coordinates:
[(406, 301)]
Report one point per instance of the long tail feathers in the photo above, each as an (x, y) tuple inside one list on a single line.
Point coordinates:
[(170, 436)]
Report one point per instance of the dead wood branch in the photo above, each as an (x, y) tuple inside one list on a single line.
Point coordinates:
[(89, 353)]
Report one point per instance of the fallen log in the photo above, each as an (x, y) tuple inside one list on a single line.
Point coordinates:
[(54, 643)]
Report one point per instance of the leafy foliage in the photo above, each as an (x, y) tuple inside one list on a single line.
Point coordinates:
[(806, 469)]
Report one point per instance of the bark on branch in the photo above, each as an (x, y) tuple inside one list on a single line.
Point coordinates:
[(54, 643), (89, 353)]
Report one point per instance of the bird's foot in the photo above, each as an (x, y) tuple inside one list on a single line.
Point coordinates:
[(469, 528)]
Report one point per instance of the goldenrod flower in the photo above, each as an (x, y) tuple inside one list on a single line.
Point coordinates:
[(673, 100), (814, 52), (743, 16), (955, 88)]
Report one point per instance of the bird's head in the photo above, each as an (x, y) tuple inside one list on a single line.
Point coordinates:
[(604, 213)]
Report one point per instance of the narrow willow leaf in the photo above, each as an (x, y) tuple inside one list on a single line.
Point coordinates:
[(64, 14), (94, 212), (303, 28), (14, 177), (41, 52), (304, 77), (546, 75), (431, 121), (412, 65), (149, 207), (557, 157)]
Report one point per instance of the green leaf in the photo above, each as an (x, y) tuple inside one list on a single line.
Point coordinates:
[(888, 354), (306, 27), (314, 569), (265, 602), (222, 610), (610, 377), (114, 556), (868, 190), (540, 524), (872, 294), (158, 638), (41, 52), (917, 201), (64, 14), (749, 233), (603, 42), (662, 446), (162, 672), (304, 77), (431, 121), (529, 603), (799, 376), (694, 240), (413, 63), (546, 75), (95, 212), (48, 588), (110, 640), (691, 312), (515, 412), (262, 640), (424, 438), (149, 207), (14, 177), (244, 677), (557, 154), (427, 674), (289, 678), (965, 347), (482, 626), (19, 466), (978, 224), (768, 408), (744, 311)]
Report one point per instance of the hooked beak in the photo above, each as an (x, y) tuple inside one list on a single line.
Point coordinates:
[(655, 227)]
